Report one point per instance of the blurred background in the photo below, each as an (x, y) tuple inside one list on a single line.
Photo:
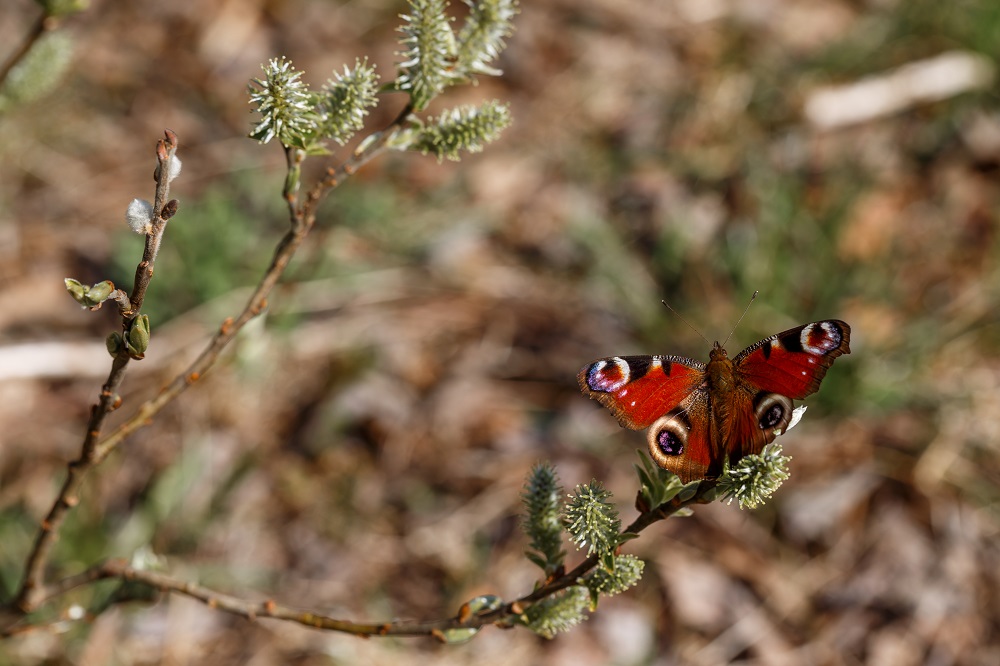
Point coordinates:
[(360, 450)]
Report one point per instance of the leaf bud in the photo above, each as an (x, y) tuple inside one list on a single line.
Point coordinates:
[(138, 336), (114, 344), (100, 291)]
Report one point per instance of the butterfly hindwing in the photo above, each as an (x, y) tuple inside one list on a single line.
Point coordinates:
[(682, 439)]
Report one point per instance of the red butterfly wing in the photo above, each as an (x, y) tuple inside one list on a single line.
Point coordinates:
[(667, 392), (794, 362), (640, 389)]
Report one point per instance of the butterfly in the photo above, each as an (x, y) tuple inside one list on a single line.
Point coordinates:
[(699, 415)]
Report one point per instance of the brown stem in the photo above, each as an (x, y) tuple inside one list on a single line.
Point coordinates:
[(268, 608), (41, 26), (32, 592), (94, 450), (302, 220)]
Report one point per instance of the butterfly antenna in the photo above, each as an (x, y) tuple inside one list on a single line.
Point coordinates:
[(686, 321), (747, 309)]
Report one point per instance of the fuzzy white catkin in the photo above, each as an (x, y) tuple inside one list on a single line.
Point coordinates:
[(139, 216), (175, 169)]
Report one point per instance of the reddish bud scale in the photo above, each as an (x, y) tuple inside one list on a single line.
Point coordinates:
[(169, 209), (464, 613)]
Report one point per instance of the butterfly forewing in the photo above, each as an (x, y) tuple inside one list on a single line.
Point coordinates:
[(794, 362), (640, 389)]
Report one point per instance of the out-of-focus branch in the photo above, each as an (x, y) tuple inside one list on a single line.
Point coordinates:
[(39, 28)]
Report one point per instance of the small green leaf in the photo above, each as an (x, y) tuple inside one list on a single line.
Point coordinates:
[(688, 491), (657, 485)]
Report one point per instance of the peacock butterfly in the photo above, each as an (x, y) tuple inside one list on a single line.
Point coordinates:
[(698, 415)]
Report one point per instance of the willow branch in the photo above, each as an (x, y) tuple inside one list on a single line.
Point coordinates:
[(95, 449), (302, 220), (252, 609), (30, 593)]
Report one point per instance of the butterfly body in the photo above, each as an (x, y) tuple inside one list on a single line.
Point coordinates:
[(699, 414)]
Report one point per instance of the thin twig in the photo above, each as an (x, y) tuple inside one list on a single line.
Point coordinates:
[(41, 26), (95, 450), (302, 220), (31, 592), (253, 610)]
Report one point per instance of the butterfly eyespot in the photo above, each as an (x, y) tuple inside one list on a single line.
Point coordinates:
[(820, 338), (608, 375), (669, 443), (774, 413), (668, 437), (772, 416)]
